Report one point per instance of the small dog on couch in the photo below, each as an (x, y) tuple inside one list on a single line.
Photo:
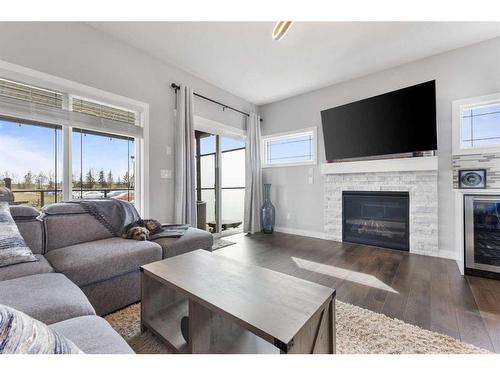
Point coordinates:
[(142, 229)]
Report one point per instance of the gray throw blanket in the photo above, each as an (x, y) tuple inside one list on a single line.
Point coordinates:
[(115, 215), (118, 216), (170, 231)]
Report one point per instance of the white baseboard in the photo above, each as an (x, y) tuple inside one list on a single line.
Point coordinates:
[(324, 236), (440, 254), (300, 232)]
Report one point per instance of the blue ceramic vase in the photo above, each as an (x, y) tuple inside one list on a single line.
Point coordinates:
[(268, 212)]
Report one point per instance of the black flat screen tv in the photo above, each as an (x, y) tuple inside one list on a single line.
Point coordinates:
[(397, 122)]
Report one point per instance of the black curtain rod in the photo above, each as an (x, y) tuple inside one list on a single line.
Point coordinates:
[(177, 87)]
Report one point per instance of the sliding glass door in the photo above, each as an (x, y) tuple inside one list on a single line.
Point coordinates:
[(206, 187), (232, 196), (220, 164)]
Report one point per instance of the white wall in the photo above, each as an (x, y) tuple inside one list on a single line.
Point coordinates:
[(462, 73), (80, 53)]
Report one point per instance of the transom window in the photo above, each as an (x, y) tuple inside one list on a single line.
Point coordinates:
[(288, 149), (102, 110), (480, 126), (16, 90)]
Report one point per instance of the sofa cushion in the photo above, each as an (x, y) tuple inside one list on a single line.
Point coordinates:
[(96, 261), (49, 297), (26, 269), (114, 294), (192, 239), (13, 249), (21, 334), (93, 335), (68, 224)]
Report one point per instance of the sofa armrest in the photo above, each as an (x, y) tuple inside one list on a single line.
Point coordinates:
[(29, 226), (23, 212), (33, 234)]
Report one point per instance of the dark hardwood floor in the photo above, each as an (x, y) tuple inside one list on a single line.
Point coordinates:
[(426, 291)]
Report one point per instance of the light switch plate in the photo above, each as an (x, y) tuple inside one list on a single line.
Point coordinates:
[(165, 173), (169, 150)]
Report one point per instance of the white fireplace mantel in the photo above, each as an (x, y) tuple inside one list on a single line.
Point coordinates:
[(425, 163)]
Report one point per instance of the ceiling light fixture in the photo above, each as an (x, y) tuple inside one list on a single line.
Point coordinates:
[(280, 29)]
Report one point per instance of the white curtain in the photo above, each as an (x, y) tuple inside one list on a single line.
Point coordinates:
[(185, 179), (253, 178)]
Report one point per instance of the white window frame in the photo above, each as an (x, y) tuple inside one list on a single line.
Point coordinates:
[(295, 133), (458, 106), (70, 89)]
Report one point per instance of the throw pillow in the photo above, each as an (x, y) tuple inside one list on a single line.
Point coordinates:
[(13, 249), (21, 334)]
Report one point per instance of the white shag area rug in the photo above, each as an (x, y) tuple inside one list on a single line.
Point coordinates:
[(359, 331), (219, 243)]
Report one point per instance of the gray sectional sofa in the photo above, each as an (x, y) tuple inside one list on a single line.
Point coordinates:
[(82, 272)]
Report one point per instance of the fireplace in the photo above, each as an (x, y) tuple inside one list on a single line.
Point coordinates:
[(376, 218)]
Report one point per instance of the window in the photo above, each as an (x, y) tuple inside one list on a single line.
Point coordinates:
[(289, 149), (476, 124), (101, 110), (106, 144), (481, 126), (31, 158), (16, 90), (103, 166)]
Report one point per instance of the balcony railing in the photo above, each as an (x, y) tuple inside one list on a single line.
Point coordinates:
[(228, 220), (40, 197)]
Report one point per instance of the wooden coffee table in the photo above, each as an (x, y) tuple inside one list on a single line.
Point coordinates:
[(235, 307)]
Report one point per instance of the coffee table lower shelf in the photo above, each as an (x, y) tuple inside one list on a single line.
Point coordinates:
[(225, 338), (166, 324)]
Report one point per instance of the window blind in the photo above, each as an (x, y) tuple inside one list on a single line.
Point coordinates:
[(30, 103), (31, 94), (103, 111)]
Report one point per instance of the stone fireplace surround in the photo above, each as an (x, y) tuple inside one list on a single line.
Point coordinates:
[(421, 186)]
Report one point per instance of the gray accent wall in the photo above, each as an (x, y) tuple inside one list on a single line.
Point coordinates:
[(80, 53), (462, 73)]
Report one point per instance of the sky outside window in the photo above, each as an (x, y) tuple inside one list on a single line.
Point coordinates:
[(29, 148), (481, 126)]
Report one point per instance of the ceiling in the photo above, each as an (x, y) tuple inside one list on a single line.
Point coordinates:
[(242, 58)]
